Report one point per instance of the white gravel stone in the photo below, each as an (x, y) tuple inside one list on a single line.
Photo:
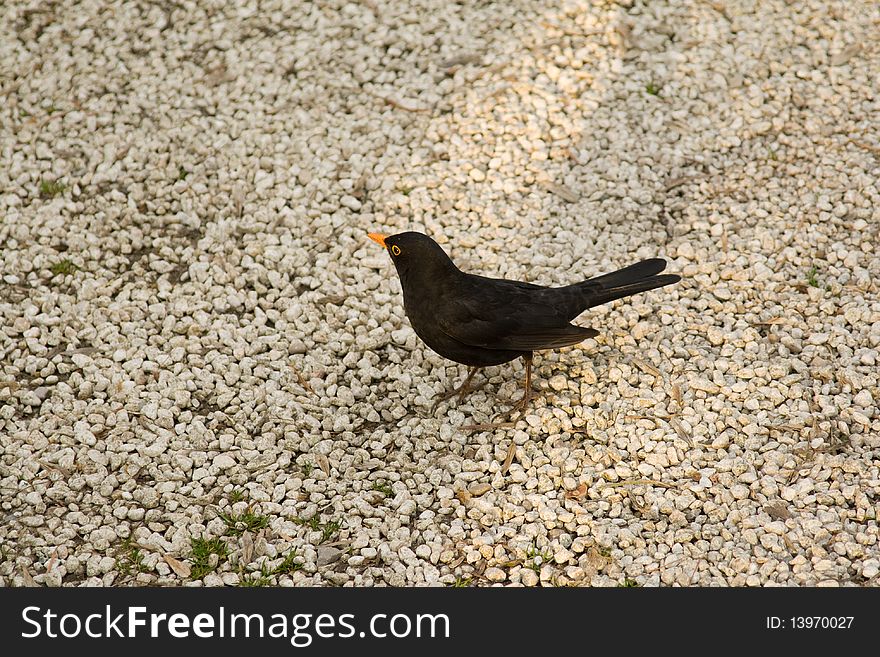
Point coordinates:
[(223, 462), (864, 399), (529, 578)]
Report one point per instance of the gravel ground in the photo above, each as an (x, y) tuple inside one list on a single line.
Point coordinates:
[(206, 375)]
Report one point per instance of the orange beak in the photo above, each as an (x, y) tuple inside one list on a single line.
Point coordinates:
[(379, 238)]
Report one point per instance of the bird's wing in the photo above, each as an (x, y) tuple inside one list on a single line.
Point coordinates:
[(549, 338), (496, 314)]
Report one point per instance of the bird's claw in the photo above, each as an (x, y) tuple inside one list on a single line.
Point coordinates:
[(517, 408), (460, 391), (453, 393)]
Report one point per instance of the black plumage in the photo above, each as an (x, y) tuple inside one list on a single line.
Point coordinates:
[(479, 321)]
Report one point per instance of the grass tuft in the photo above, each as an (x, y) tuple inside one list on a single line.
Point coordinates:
[(288, 565), (64, 267), (131, 561), (537, 558), (202, 549), (328, 529), (238, 524), (262, 578), (51, 188)]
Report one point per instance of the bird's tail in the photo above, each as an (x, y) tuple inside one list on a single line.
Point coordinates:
[(640, 277)]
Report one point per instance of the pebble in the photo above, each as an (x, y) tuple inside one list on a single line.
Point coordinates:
[(558, 383), (864, 399), (328, 555), (223, 461), (529, 577)]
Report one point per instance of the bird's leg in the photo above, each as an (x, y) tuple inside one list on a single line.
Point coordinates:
[(527, 390), (523, 403), (460, 390)]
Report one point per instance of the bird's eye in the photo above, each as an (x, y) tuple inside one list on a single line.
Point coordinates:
[(395, 250)]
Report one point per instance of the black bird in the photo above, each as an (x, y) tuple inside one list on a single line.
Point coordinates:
[(479, 321)]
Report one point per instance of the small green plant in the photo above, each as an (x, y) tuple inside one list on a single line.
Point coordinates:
[(628, 583), (253, 580), (236, 495), (383, 487), (328, 529), (202, 549), (238, 524), (811, 276), (461, 583), (63, 267), (131, 561), (52, 109), (50, 188), (652, 89), (182, 173), (307, 469), (313, 523), (288, 565), (537, 558), (262, 578)]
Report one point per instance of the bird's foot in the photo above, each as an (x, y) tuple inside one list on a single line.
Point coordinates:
[(504, 420), (516, 409), (461, 390), (519, 408)]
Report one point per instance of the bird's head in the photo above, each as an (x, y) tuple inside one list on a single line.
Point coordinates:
[(416, 256)]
